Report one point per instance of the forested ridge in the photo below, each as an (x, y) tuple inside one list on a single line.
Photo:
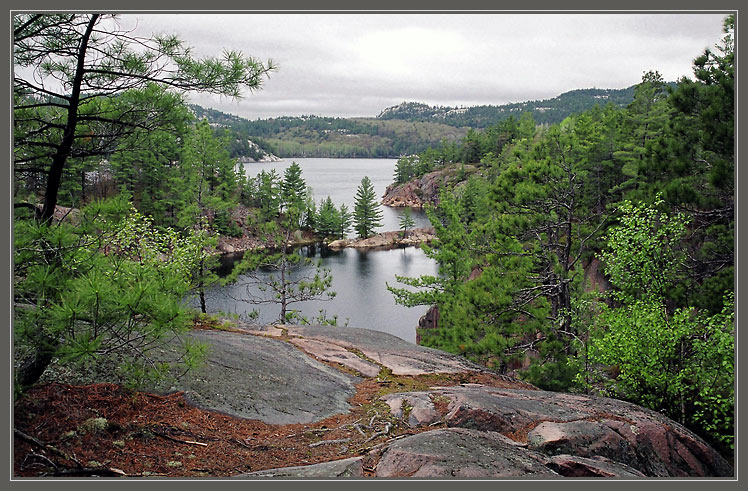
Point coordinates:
[(597, 254), (546, 111), (121, 192), (403, 129)]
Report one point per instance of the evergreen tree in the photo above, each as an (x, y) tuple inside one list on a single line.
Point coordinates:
[(405, 169), (328, 219), (209, 195), (211, 181), (95, 66), (406, 221), (345, 219), (644, 120), (268, 194), (280, 275), (366, 213), (148, 166), (293, 189), (310, 211)]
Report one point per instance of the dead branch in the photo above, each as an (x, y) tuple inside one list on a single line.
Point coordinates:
[(386, 430), (329, 442), (38, 443), (380, 445), (187, 442), (357, 427)]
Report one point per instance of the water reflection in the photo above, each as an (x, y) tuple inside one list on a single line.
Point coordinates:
[(359, 280), (359, 276)]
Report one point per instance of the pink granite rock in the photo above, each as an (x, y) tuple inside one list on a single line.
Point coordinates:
[(334, 353)]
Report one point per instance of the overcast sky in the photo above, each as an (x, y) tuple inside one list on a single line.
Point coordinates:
[(358, 64)]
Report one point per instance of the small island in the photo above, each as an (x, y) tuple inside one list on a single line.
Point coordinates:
[(388, 240)]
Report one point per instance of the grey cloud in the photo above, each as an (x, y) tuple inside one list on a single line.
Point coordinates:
[(355, 65)]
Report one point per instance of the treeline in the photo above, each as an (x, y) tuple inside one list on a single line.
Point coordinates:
[(545, 112), (326, 137), (475, 148), (405, 129), (644, 194)]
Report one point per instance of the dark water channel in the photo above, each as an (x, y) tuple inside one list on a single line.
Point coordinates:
[(359, 277)]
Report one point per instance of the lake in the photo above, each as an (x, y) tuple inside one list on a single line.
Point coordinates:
[(339, 179), (359, 276)]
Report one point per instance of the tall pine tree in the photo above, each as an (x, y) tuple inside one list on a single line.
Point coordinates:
[(367, 213)]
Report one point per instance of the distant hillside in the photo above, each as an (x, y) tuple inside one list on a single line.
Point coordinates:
[(317, 136), (548, 111), (241, 144), (407, 128)]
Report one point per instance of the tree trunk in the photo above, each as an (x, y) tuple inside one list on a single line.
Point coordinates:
[(283, 300), (32, 369), (201, 288), (54, 177)]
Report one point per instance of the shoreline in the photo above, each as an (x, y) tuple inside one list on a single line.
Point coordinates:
[(388, 240), (381, 241)]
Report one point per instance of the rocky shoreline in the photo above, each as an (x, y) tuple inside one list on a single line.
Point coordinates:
[(425, 190), (382, 241), (388, 240)]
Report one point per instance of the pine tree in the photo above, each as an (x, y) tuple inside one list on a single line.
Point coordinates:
[(345, 219), (367, 212), (211, 179), (406, 221), (310, 211), (281, 275), (210, 192), (293, 189), (268, 194), (328, 218), (111, 84), (405, 168)]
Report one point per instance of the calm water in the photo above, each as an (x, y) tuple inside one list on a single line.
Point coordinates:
[(339, 179), (359, 277)]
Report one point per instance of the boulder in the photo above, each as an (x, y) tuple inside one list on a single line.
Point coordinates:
[(258, 377), (573, 466), (429, 320), (586, 426), (461, 453)]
